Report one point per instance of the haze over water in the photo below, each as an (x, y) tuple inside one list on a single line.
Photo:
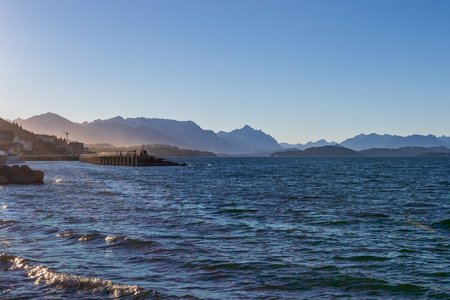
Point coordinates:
[(230, 228)]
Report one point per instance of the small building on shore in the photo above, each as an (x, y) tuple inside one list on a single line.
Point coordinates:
[(22, 145), (76, 148)]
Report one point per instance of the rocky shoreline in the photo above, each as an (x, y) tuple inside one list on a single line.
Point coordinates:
[(20, 175)]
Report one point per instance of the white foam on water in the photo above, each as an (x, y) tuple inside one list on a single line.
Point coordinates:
[(64, 234), (5, 243), (111, 239), (84, 238), (46, 276), (7, 222)]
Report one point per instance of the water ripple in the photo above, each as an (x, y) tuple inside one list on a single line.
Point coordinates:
[(230, 228)]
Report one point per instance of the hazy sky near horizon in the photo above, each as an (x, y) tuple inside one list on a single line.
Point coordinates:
[(299, 70)]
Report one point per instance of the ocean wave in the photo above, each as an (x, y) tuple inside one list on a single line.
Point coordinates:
[(80, 237), (7, 223), (351, 283), (130, 243), (136, 243), (111, 240), (89, 237), (238, 210), (371, 215), (108, 193), (337, 222), (46, 276), (445, 224), (364, 258)]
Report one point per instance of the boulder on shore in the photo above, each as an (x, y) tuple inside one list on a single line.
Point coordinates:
[(20, 175)]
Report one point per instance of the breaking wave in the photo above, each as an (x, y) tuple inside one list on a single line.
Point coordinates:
[(46, 276)]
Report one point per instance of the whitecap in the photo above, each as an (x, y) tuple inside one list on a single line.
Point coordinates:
[(5, 243), (84, 238), (46, 276), (64, 234), (111, 239)]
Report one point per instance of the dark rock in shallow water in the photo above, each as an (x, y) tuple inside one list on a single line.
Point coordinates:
[(20, 175), (148, 160)]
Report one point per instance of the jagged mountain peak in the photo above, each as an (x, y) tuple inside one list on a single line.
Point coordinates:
[(117, 118), (247, 127), (249, 140)]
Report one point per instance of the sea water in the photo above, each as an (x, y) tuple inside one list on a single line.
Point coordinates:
[(230, 228)]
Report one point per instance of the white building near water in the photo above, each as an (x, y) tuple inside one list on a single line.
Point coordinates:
[(23, 145)]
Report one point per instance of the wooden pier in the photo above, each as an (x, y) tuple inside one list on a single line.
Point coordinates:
[(127, 159)]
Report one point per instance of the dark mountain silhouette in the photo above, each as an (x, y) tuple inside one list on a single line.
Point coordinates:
[(363, 141), (39, 145), (339, 151), (249, 140), (403, 152), (113, 132), (325, 151), (54, 124), (187, 133), (135, 131), (435, 154), (108, 131), (445, 139), (319, 143)]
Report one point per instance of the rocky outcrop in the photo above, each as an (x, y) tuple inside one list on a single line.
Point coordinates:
[(20, 175), (151, 161)]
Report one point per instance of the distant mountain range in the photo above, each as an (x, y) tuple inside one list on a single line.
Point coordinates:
[(363, 141), (138, 131), (324, 151), (122, 132), (405, 151), (319, 143), (249, 140), (339, 151), (370, 141)]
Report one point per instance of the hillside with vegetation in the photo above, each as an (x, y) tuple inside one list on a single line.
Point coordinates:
[(39, 145)]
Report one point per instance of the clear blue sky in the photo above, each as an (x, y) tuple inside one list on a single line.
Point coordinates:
[(299, 70)]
